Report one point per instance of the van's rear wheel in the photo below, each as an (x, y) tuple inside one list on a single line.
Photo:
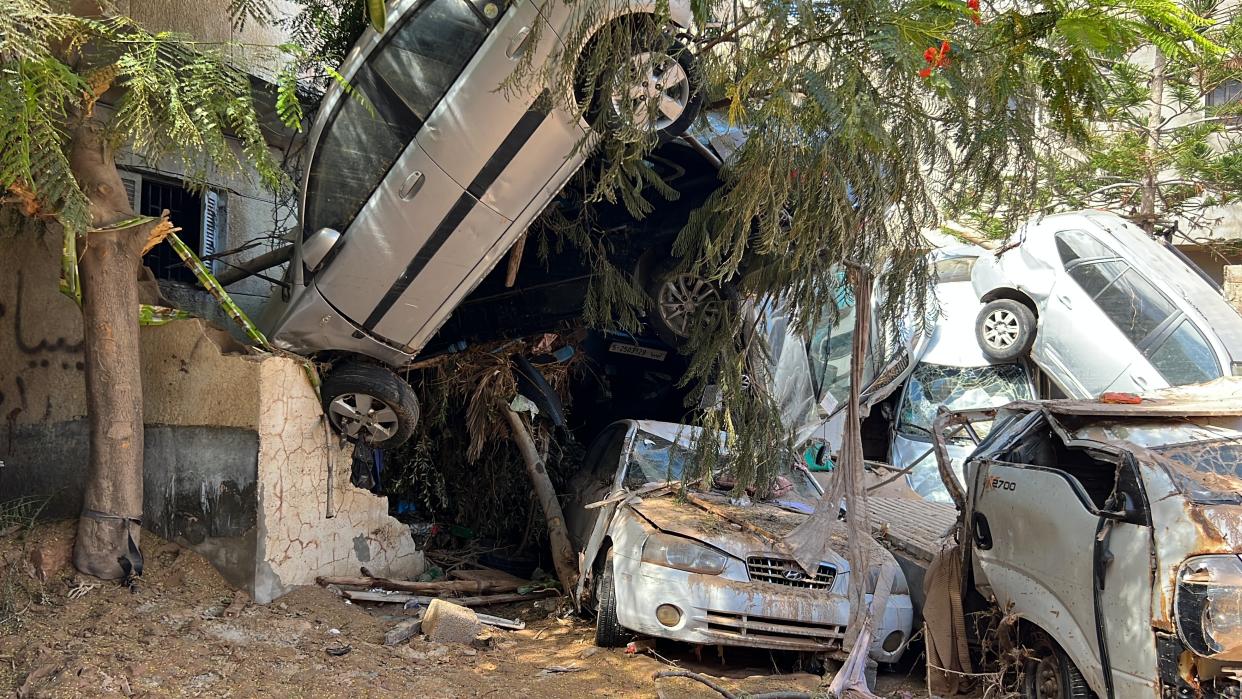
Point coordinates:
[(370, 404), (654, 89), (1050, 674), (1005, 329)]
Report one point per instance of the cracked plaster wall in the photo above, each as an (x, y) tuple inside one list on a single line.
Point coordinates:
[(193, 393), (298, 540)]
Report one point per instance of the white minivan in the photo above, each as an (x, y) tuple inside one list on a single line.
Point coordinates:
[(1101, 306)]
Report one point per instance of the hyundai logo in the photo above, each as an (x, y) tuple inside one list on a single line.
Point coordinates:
[(794, 575)]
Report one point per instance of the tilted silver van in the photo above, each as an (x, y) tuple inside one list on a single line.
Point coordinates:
[(1101, 306), (420, 182)]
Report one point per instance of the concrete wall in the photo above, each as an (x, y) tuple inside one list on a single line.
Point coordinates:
[(1233, 286), (238, 460)]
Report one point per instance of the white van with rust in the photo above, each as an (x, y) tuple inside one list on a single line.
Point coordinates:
[(1107, 538)]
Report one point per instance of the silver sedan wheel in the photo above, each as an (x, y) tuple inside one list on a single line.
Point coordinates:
[(652, 92), (1001, 329), (681, 297), (360, 415)]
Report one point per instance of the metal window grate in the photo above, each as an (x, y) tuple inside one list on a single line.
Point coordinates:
[(780, 571)]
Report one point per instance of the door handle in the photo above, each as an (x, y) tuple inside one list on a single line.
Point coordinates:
[(1065, 300), (517, 45), (983, 532), (412, 184)]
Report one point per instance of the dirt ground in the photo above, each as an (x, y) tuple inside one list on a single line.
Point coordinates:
[(181, 634)]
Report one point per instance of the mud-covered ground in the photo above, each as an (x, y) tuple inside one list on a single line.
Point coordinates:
[(183, 634)]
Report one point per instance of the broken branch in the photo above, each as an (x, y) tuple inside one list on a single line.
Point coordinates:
[(435, 586)]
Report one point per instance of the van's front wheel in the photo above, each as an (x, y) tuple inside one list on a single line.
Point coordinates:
[(370, 404), (1050, 674)]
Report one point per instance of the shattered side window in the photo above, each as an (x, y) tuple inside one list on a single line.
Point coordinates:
[(958, 388), (1206, 472)]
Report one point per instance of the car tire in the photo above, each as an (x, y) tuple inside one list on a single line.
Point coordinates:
[(676, 296), (1048, 673), (369, 403), (608, 631), (1005, 329), (663, 58)]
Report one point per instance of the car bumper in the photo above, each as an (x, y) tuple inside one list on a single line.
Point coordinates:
[(718, 611)]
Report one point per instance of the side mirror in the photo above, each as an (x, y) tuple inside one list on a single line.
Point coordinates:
[(316, 247)]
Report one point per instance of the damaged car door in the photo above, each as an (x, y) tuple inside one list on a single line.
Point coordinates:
[(1062, 539)]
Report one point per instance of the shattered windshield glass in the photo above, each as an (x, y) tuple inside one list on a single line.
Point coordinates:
[(959, 388), (1206, 472), (1203, 459), (656, 459)]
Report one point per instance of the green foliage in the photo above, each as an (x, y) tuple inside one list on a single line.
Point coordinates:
[(1169, 168), (179, 99), (854, 140)]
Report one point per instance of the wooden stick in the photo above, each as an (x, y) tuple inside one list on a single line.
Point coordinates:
[(724, 514), (479, 601), (627, 494), (475, 586), (403, 631)]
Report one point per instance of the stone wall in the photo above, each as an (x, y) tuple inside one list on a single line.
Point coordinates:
[(1233, 286), (239, 463)]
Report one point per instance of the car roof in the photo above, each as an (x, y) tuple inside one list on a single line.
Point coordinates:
[(953, 341)]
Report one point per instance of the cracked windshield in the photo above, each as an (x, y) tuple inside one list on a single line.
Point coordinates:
[(656, 459), (959, 388)]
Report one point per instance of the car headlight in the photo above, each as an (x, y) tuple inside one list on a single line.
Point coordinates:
[(1208, 604), (683, 554)]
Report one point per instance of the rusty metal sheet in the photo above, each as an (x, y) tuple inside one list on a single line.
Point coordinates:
[(1222, 397)]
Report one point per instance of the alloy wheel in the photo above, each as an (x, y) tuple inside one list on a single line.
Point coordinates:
[(680, 299), (653, 93), (1001, 329), (362, 415)]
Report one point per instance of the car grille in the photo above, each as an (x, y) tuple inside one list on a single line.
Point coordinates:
[(780, 571), (746, 629)]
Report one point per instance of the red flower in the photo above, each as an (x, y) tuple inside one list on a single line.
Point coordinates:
[(925, 73), (930, 54), (944, 49), (973, 4)]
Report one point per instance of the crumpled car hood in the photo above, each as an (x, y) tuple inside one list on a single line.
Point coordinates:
[(675, 516)]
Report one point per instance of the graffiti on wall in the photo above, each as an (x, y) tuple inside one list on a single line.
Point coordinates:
[(41, 358)]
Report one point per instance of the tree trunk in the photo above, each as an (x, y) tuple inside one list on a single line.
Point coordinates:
[(1151, 173), (563, 556), (109, 263)]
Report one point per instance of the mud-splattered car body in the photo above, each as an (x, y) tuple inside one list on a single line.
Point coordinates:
[(740, 590), (1116, 530)]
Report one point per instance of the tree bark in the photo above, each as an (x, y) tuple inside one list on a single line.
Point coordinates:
[(109, 263), (1151, 174), (563, 556)]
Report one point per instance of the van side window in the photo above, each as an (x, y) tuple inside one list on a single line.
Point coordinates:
[(1074, 246), (1095, 277), (1185, 357), (395, 90), (1134, 305)]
